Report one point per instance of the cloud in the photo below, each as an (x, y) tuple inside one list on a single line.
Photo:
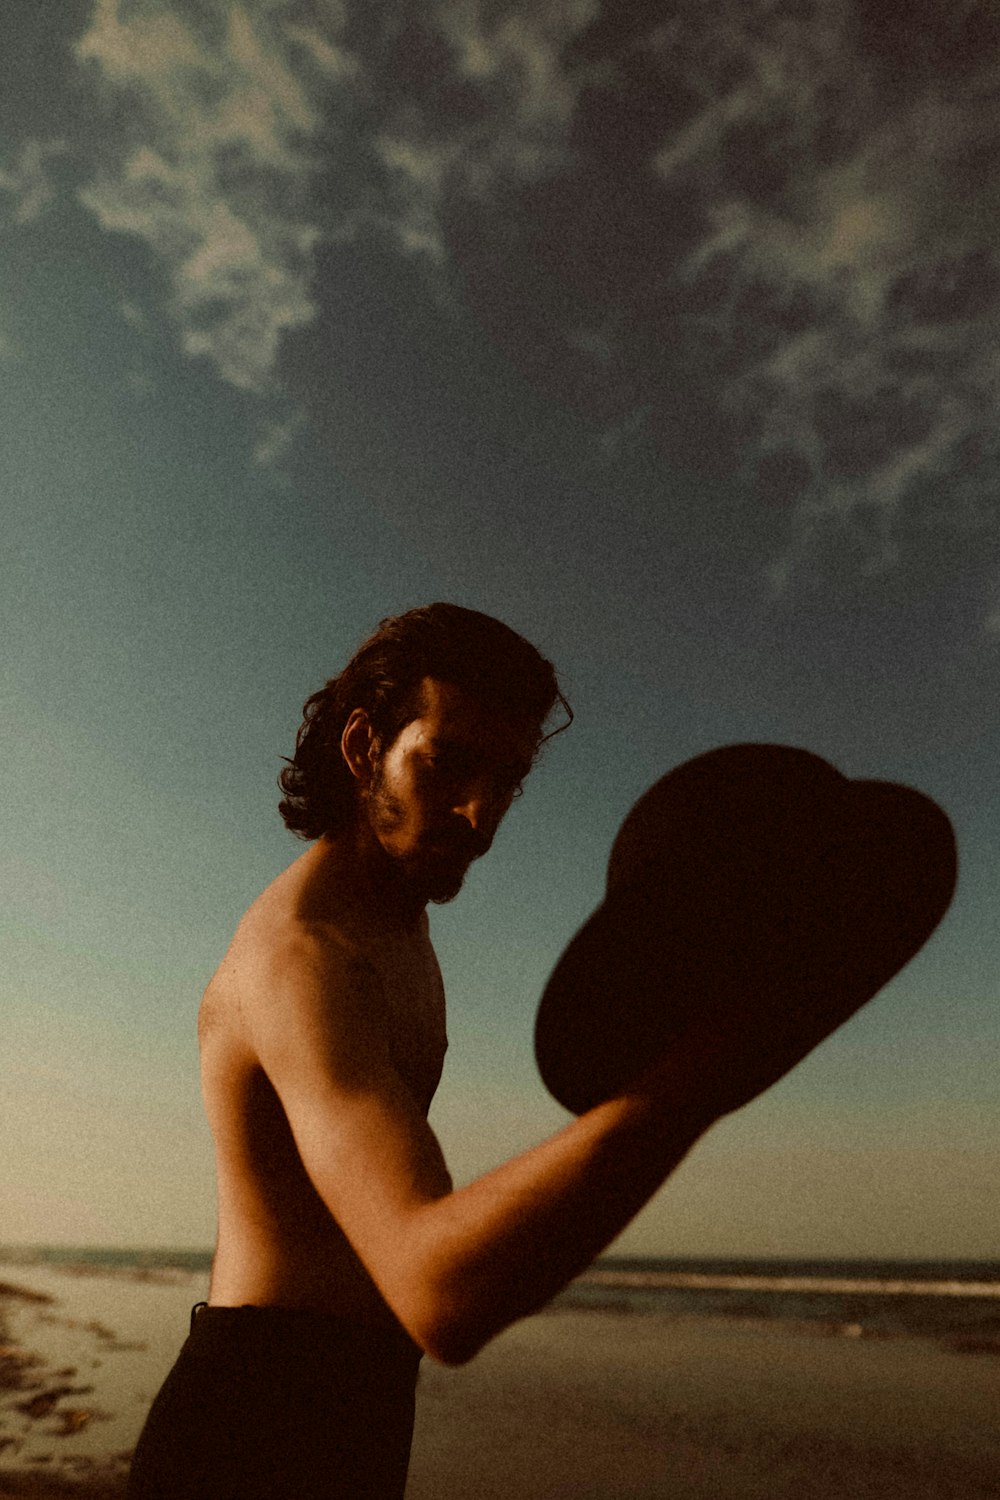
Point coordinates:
[(232, 121), (276, 440), (759, 237), (26, 190), (212, 174), (869, 279), (473, 99), (27, 183), (772, 253)]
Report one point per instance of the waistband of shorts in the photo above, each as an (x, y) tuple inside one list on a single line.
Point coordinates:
[(295, 1322)]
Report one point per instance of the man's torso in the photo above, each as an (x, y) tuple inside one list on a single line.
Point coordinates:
[(278, 1244)]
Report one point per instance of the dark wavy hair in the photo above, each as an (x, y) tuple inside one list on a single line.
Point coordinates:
[(472, 651)]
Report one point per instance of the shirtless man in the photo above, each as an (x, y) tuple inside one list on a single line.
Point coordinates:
[(344, 1253)]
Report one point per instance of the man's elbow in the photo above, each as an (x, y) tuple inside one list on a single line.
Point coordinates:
[(448, 1348), (448, 1303), (450, 1330)]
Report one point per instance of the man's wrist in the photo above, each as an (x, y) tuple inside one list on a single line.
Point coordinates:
[(668, 1102)]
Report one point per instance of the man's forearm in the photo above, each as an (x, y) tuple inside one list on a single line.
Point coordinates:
[(485, 1255)]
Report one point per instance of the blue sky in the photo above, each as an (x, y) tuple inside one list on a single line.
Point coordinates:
[(674, 347)]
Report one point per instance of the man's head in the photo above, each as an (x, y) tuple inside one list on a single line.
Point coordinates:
[(426, 735)]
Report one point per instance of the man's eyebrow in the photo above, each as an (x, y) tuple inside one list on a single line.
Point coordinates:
[(516, 766), (449, 742)]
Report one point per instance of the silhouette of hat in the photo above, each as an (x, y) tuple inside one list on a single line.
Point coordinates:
[(754, 884)]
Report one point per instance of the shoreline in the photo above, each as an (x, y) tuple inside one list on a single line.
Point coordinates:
[(576, 1403), (85, 1351)]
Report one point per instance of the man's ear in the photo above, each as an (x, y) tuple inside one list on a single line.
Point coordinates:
[(358, 746)]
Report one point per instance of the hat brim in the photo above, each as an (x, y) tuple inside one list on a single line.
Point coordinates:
[(811, 926)]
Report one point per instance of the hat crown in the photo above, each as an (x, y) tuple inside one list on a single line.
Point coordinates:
[(739, 802)]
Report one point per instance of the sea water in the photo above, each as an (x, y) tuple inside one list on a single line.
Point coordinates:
[(929, 1298)]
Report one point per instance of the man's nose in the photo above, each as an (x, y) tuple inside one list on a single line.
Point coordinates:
[(472, 806), (478, 804)]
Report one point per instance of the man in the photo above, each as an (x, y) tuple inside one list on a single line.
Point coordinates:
[(343, 1251)]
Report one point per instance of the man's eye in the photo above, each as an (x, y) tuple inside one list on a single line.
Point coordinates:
[(448, 766), (444, 765)]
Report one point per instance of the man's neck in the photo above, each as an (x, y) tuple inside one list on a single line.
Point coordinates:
[(356, 871)]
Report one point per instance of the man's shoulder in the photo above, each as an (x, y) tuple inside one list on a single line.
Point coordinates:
[(274, 950), (279, 955), (287, 998)]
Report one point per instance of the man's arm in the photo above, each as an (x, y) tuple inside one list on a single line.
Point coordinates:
[(456, 1267)]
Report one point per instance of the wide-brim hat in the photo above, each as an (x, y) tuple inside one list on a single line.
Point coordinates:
[(749, 884)]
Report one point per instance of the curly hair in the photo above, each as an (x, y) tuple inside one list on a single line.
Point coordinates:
[(472, 651)]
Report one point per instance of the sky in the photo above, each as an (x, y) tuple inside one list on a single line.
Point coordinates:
[(666, 333)]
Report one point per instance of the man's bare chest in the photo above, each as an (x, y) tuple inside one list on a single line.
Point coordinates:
[(413, 1010)]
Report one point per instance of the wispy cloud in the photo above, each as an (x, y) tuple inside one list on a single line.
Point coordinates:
[(848, 274), (213, 174), (238, 125), (276, 440), (27, 183), (760, 237), (484, 103), (783, 236)]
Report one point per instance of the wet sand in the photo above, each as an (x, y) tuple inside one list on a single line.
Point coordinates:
[(83, 1355), (599, 1406), (570, 1405)]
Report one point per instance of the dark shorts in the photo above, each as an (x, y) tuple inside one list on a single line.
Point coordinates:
[(268, 1403)]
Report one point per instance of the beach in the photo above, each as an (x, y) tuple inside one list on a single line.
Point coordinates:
[(593, 1403)]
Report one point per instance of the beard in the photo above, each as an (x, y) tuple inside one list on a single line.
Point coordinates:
[(434, 874)]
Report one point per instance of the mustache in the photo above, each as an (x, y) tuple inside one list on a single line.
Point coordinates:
[(467, 845)]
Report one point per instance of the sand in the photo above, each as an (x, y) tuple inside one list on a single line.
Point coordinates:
[(571, 1405), (103, 1345), (602, 1406)]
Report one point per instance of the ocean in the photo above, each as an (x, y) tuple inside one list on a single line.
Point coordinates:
[(956, 1299)]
